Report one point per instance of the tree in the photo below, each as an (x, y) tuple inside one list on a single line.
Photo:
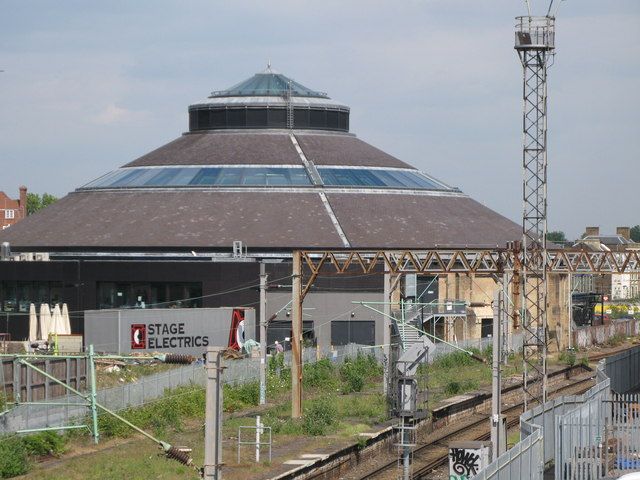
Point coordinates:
[(635, 233), (35, 202), (556, 236)]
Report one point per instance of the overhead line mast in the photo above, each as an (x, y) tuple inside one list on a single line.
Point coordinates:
[(535, 45)]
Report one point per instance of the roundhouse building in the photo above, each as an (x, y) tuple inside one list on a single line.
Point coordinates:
[(269, 163)]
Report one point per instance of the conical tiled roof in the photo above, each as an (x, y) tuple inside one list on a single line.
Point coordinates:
[(246, 172)]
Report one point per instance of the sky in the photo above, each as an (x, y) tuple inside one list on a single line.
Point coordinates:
[(89, 86)]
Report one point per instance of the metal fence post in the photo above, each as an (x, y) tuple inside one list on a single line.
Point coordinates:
[(94, 410)]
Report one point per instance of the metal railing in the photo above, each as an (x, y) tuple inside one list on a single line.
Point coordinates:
[(588, 436), (535, 32)]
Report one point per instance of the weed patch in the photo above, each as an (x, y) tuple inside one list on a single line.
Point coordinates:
[(14, 460), (355, 371), (615, 340), (320, 417), (568, 358), (17, 453), (241, 396), (166, 413)]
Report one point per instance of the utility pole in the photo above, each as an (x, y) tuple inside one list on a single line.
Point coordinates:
[(263, 334), (296, 337), (498, 432), (213, 415), (386, 332), (570, 280)]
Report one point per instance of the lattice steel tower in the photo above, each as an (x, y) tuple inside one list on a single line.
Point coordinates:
[(535, 47)]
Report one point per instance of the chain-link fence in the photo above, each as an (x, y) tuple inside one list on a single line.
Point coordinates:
[(149, 388)]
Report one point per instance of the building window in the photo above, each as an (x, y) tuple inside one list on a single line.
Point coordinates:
[(149, 295), (486, 329), (360, 332), (18, 296), (9, 214), (281, 331)]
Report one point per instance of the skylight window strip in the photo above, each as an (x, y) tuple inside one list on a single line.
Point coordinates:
[(256, 176), (217, 165)]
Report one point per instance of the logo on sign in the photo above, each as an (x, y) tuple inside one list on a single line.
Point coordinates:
[(138, 336)]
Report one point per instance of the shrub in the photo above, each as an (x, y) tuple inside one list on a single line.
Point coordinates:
[(568, 358), (319, 374), (352, 379), (237, 397), (455, 387), (44, 443), (14, 460), (276, 362), (354, 372), (321, 415)]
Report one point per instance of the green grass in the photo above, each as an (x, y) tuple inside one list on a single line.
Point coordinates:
[(326, 411), (457, 373), (330, 415)]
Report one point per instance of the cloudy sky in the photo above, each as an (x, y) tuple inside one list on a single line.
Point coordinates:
[(88, 86)]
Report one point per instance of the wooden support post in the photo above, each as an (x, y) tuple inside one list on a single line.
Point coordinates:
[(296, 337)]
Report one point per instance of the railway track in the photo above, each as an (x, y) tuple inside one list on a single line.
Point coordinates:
[(346, 466), (435, 452), (594, 357)]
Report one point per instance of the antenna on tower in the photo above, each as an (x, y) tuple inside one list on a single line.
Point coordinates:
[(550, 5), (290, 115), (557, 8), (529, 6)]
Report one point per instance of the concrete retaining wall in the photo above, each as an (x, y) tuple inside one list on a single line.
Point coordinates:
[(584, 337)]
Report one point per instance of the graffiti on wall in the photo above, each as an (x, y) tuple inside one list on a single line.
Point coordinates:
[(464, 462), (466, 459)]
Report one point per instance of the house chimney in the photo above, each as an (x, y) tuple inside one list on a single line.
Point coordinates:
[(624, 232), (592, 231), (23, 201)]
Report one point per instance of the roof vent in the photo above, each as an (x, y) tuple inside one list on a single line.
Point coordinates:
[(239, 249)]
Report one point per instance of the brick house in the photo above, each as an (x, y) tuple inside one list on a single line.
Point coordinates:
[(12, 211), (623, 286)]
